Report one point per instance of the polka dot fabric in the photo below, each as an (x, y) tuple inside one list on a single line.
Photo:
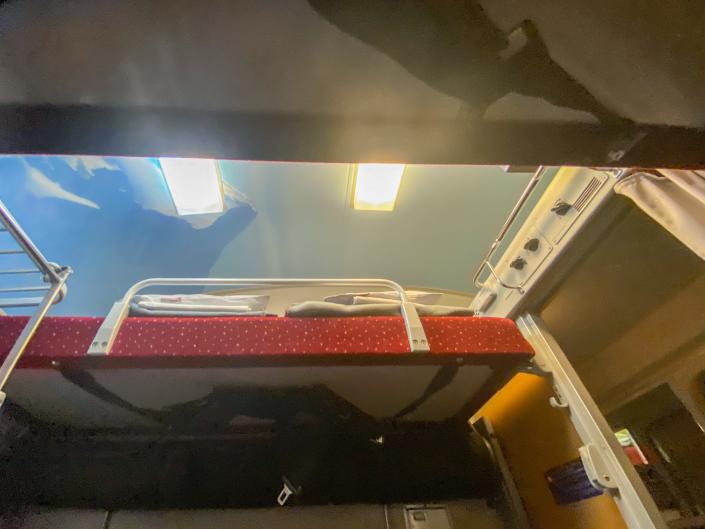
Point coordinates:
[(68, 338)]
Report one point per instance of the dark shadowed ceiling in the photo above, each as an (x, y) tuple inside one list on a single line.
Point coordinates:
[(458, 80)]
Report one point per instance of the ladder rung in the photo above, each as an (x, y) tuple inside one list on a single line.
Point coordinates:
[(21, 271), (20, 302), (25, 289), (10, 252)]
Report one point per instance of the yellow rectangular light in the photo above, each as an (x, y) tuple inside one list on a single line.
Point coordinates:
[(376, 186), (194, 184)]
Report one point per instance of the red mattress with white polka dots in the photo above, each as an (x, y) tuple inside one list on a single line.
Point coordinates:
[(193, 341)]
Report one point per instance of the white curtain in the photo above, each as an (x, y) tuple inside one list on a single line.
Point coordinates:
[(673, 198)]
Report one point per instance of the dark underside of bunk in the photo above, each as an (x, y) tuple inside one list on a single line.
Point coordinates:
[(327, 462), (252, 432)]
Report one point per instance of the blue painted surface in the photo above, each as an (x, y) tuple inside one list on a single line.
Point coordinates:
[(444, 220), (112, 220)]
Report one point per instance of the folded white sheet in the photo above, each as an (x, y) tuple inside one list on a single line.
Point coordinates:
[(236, 304), (192, 306)]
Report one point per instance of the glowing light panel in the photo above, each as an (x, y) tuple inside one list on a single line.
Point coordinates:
[(377, 186), (194, 184)]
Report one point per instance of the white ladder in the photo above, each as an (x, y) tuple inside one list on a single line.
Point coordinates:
[(14, 241)]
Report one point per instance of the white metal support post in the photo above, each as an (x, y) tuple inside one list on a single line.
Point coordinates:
[(606, 464)]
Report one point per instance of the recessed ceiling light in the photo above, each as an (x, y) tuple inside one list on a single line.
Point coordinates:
[(376, 185), (194, 184)]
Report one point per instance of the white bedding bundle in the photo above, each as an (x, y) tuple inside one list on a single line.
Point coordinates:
[(375, 304), (348, 304), (198, 305), (389, 297)]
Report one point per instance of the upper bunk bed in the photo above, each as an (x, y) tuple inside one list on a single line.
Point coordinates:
[(270, 340), (405, 367)]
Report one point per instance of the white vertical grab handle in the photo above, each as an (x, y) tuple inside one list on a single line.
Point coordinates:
[(414, 329)]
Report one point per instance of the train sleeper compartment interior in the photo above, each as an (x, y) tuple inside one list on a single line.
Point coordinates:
[(254, 411)]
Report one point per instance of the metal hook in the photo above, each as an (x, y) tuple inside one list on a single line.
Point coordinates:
[(499, 280)]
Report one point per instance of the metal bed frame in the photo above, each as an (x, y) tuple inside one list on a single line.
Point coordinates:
[(53, 275), (108, 331)]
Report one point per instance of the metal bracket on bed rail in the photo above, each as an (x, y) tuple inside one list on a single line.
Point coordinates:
[(105, 337), (54, 290)]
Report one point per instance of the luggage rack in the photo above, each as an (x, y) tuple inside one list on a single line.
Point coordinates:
[(53, 288)]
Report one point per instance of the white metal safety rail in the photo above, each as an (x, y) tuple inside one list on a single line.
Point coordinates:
[(105, 337), (14, 242)]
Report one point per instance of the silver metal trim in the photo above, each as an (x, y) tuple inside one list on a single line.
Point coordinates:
[(21, 271), (20, 302), (50, 271), (507, 224), (40, 288), (105, 337), (629, 493)]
